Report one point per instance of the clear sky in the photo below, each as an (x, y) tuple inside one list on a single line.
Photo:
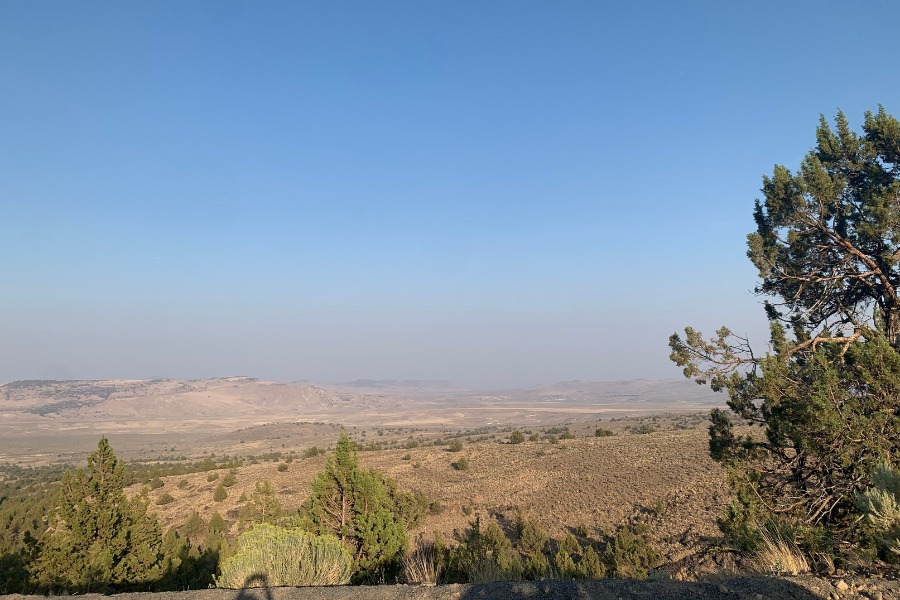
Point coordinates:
[(495, 193)]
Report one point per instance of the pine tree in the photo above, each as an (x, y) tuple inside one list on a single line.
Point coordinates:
[(356, 506), (99, 538), (263, 507)]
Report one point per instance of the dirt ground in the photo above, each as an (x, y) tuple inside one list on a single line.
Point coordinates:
[(743, 588), (665, 479)]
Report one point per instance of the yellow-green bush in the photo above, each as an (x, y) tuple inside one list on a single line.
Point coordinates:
[(275, 556)]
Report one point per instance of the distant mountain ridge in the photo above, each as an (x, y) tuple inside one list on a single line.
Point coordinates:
[(240, 396)]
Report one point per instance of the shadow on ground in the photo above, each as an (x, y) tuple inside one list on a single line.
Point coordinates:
[(750, 588)]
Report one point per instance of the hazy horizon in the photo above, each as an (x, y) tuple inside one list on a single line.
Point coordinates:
[(499, 195)]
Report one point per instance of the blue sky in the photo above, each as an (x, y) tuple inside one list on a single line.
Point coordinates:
[(496, 193)]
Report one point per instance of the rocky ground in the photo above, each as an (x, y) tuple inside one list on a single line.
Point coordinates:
[(742, 588)]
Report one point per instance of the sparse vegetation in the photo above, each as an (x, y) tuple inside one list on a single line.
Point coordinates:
[(516, 437)]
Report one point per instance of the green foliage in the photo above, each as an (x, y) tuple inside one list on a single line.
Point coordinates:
[(630, 554), (881, 506), (269, 556), (602, 432), (100, 539), (536, 566), (532, 537), (182, 484), (488, 555), (219, 494), (229, 480), (212, 477), (461, 464), (165, 498), (591, 567), (263, 506), (156, 483), (312, 452), (564, 565), (455, 446), (516, 437), (570, 545), (361, 508), (827, 395), (282, 467)]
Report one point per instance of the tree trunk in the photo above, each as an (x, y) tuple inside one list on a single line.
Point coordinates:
[(892, 326)]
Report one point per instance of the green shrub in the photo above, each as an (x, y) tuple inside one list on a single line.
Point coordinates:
[(269, 556), (534, 437), (156, 483), (486, 554), (591, 567), (435, 508), (263, 507), (516, 437), (564, 565), (312, 452), (229, 480), (282, 467), (212, 477), (630, 554), (462, 464), (166, 498), (881, 507), (536, 566), (601, 432), (569, 545), (406, 456), (219, 493), (455, 446), (182, 484), (532, 537), (567, 435)]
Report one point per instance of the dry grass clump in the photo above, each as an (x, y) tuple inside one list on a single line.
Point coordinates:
[(422, 565), (779, 556)]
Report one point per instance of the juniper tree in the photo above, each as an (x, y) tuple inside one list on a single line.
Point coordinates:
[(827, 392), (99, 538), (357, 506)]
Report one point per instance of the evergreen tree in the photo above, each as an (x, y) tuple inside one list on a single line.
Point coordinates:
[(356, 506), (263, 507), (827, 394), (99, 538)]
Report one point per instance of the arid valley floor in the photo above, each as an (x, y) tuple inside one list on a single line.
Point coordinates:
[(652, 466)]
